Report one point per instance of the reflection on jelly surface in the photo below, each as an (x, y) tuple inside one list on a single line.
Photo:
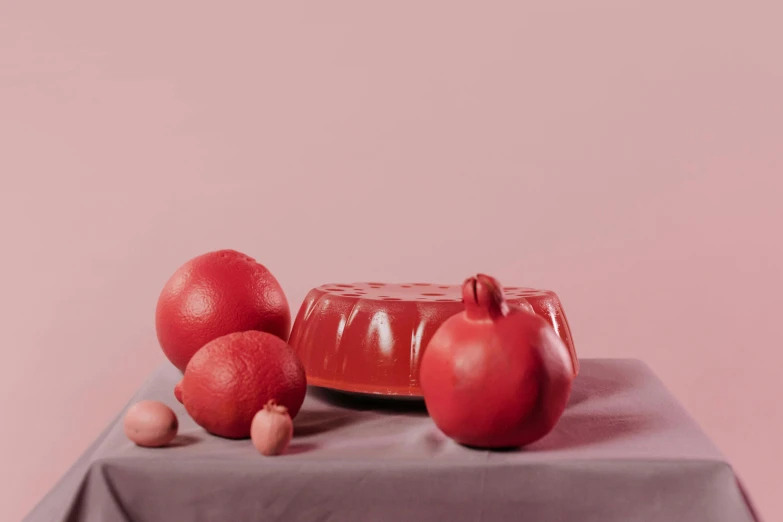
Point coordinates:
[(369, 337)]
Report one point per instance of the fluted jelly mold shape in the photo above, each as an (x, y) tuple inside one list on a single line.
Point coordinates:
[(368, 338)]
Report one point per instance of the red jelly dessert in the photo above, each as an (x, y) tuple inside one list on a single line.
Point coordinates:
[(368, 337)]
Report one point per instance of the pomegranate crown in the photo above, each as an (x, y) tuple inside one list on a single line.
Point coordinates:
[(483, 297), (273, 407)]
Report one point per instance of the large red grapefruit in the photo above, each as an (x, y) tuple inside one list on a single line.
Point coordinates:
[(232, 377), (216, 294)]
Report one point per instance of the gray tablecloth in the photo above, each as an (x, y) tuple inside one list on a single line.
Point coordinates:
[(624, 451)]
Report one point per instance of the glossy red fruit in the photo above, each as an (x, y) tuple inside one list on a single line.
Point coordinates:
[(495, 376), (216, 294), (233, 377)]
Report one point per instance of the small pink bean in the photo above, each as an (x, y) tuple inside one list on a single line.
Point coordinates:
[(151, 424)]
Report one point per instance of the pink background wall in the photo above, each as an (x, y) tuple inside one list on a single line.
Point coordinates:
[(626, 154)]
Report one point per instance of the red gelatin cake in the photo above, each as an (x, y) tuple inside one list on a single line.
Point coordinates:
[(368, 338)]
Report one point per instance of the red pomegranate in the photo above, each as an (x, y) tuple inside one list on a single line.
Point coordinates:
[(495, 376), (233, 377), (216, 294)]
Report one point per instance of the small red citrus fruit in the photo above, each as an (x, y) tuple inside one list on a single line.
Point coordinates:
[(233, 377)]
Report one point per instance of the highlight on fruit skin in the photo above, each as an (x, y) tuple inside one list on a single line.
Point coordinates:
[(272, 429), (150, 424), (495, 375)]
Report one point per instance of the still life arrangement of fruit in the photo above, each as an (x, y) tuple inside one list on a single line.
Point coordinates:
[(494, 365)]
